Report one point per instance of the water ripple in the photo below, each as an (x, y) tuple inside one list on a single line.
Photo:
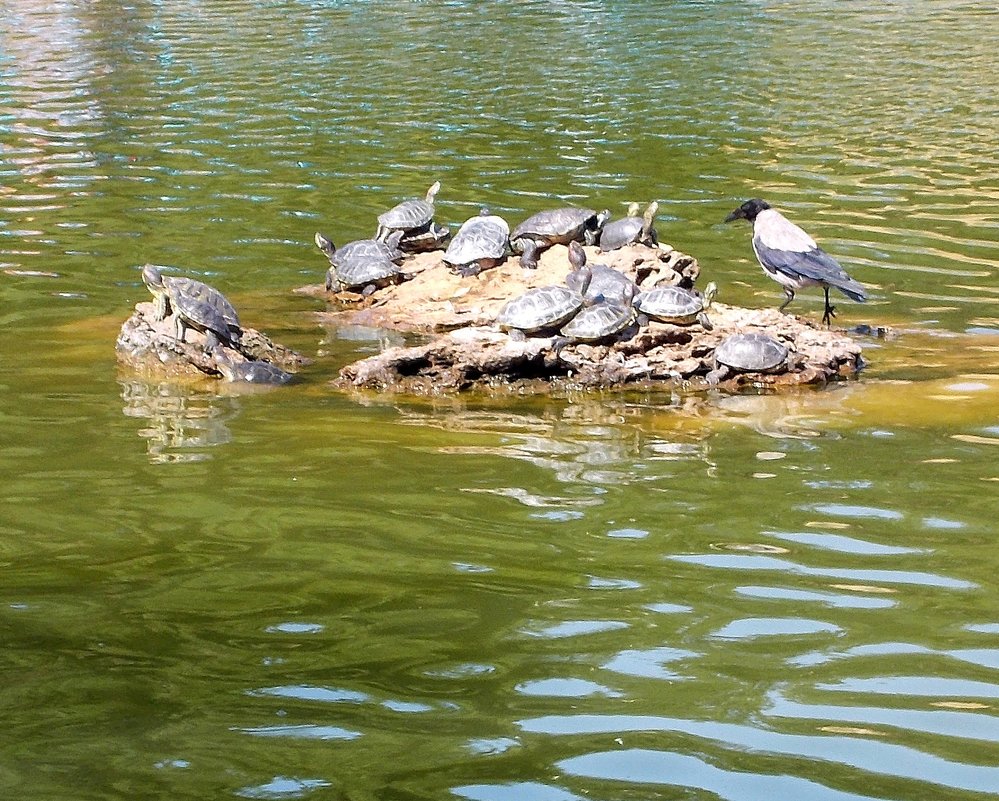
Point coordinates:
[(750, 562), (877, 758)]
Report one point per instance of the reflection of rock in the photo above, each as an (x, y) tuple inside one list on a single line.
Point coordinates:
[(677, 355), (150, 346), (183, 424)]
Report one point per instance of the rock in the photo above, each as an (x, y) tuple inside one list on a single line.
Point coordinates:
[(435, 300), (149, 346), (659, 354)]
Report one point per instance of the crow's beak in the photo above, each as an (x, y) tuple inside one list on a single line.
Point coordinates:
[(735, 215)]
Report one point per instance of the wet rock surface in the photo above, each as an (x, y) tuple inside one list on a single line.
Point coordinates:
[(150, 346)]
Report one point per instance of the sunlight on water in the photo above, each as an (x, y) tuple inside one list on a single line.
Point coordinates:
[(298, 594)]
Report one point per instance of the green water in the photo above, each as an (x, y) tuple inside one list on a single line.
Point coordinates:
[(302, 594)]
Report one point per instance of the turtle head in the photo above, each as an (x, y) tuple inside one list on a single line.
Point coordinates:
[(325, 244), (709, 293), (153, 279), (435, 187), (577, 256), (603, 217), (748, 210), (633, 209)]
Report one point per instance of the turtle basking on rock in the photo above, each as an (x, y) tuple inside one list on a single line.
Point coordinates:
[(541, 310), (193, 304), (751, 352), (676, 305), (482, 242), (606, 319), (363, 265), (555, 227), (604, 282), (410, 216), (631, 229)]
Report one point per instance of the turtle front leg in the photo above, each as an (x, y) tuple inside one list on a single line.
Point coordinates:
[(161, 307), (179, 328), (529, 256)]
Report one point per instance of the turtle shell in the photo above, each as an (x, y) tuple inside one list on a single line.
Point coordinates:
[(670, 304), (618, 233), (362, 263), (425, 238), (751, 352), (202, 307), (483, 238), (605, 282), (556, 226), (410, 214), (599, 321), (539, 309)]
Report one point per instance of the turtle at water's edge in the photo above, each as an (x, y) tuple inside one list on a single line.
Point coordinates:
[(750, 352)]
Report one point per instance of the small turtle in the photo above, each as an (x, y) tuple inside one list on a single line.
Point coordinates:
[(555, 227), (751, 352), (428, 237), (600, 321), (676, 305), (193, 305), (605, 282), (364, 264), (482, 242), (541, 309), (618, 233), (409, 215), (250, 372)]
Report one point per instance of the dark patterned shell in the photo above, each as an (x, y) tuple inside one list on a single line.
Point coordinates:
[(483, 237), (363, 262), (618, 233), (599, 321), (605, 282), (556, 226), (202, 306), (540, 309), (670, 304), (751, 353), (409, 214)]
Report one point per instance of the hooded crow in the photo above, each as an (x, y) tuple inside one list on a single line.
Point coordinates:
[(790, 256)]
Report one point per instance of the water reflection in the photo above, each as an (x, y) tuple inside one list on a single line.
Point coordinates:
[(183, 424)]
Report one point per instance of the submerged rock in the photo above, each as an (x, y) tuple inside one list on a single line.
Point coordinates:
[(151, 347)]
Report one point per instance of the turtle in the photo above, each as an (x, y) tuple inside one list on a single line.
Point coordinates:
[(750, 352), (193, 305), (618, 233), (605, 282), (409, 215), (483, 241), (364, 264), (555, 227), (603, 320), (541, 309), (253, 371), (427, 237), (676, 305)]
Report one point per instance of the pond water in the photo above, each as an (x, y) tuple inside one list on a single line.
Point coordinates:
[(301, 594)]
